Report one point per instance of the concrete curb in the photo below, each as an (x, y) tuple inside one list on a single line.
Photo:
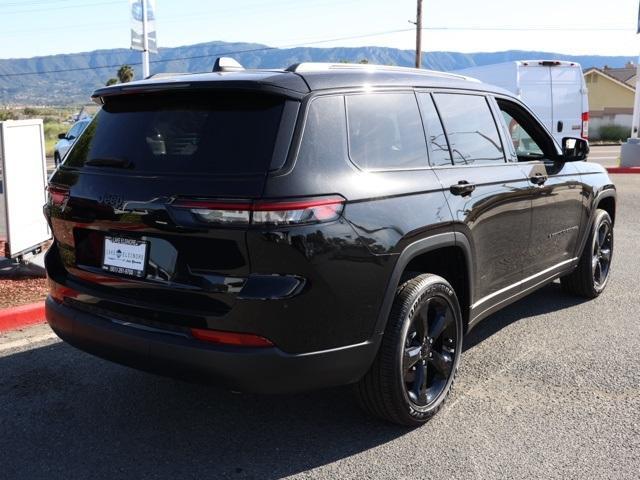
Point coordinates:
[(623, 169), (22, 316)]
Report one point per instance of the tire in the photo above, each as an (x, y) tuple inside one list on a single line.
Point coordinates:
[(592, 273), (411, 376)]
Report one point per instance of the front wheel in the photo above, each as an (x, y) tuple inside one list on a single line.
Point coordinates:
[(419, 355), (592, 273)]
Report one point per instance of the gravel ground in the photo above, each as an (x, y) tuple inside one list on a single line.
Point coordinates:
[(21, 291), (548, 388)]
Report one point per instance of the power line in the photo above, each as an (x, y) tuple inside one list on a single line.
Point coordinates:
[(33, 3), (548, 28), (64, 7), (300, 44), (200, 15), (209, 55)]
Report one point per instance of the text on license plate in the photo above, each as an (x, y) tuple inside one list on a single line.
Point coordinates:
[(125, 256)]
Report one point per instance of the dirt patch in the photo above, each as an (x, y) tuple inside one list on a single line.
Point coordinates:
[(15, 291)]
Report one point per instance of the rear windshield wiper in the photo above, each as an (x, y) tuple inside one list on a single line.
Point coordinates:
[(109, 162)]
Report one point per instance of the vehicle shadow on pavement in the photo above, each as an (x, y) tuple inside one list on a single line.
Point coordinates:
[(548, 299), (66, 414)]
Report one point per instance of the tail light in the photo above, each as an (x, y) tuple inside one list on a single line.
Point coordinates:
[(57, 195), (230, 338), (585, 125), (266, 212)]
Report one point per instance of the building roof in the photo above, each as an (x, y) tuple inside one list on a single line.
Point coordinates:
[(606, 74), (623, 74)]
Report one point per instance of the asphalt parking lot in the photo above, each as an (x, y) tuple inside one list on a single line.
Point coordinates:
[(547, 388), (607, 155)]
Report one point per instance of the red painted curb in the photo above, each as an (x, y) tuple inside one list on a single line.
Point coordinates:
[(623, 169), (17, 317)]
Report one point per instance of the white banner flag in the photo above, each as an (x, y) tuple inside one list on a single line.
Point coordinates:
[(137, 42)]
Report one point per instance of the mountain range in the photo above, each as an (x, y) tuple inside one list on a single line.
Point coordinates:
[(72, 77)]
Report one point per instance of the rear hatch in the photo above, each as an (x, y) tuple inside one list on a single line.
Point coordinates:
[(121, 236)]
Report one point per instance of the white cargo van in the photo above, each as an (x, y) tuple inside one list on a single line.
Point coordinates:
[(554, 90)]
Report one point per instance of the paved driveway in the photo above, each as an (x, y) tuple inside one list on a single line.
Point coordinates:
[(548, 388), (609, 156)]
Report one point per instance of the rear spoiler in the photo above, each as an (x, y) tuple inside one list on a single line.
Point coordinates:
[(184, 82)]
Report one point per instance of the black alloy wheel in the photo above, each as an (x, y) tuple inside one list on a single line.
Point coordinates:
[(594, 265), (418, 358), (430, 351), (602, 251)]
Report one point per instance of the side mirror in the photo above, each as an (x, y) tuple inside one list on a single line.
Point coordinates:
[(574, 149), (62, 136)]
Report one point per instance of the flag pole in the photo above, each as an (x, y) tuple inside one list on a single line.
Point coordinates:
[(145, 41)]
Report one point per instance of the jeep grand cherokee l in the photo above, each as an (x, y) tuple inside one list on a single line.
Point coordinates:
[(283, 230)]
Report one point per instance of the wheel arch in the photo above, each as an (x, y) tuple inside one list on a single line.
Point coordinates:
[(605, 200), (445, 254)]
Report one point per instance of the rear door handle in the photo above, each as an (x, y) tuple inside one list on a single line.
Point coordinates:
[(462, 188), (538, 179)]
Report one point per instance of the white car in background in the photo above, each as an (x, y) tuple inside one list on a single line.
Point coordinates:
[(66, 140)]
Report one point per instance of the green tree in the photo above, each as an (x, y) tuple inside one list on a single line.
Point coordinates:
[(6, 114), (111, 81), (125, 73)]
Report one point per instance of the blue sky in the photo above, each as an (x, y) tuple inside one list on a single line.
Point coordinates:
[(41, 27)]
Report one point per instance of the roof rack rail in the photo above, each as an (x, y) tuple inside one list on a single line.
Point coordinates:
[(227, 64), (165, 75), (319, 67)]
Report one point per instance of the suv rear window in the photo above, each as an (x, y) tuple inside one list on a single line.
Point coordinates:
[(183, 132)]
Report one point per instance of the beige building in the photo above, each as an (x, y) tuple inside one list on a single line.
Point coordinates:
[(611, 95)]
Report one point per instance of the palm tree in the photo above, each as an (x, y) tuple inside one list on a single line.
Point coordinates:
[(111, 81), (125, 73)]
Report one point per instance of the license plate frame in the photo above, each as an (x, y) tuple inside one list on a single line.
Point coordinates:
[(125, 256)]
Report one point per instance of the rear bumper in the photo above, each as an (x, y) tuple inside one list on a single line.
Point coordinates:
[(257, 370)]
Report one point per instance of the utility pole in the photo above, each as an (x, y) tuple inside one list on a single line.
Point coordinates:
[(145, 41), (419, 35), (635, 123), (630, 151)]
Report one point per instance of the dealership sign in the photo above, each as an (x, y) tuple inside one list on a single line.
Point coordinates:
[(137, 24)]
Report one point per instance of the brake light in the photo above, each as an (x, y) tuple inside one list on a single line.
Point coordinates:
[(230, 338), (57, 195), (585, 125), (266, 212)]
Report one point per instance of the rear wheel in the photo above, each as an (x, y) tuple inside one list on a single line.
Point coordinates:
[(418, 359), (591, 276)]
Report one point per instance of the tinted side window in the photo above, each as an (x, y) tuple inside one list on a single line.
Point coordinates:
[(324, 139), (525, 146), (471, 128), (385, 131), (439, 153)]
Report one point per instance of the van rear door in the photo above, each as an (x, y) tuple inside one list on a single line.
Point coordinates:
[(535, 90), (567, 90)]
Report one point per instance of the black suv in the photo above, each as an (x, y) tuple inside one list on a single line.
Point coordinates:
[(282, 230)]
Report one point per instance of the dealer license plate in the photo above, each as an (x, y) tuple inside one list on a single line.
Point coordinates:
[(125, 256)]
